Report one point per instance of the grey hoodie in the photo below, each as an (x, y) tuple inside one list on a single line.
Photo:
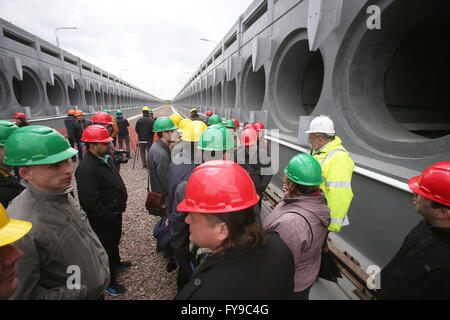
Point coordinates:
[(60, 239), (296, 233)]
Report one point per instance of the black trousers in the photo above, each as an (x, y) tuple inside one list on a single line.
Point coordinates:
[(109, 235)]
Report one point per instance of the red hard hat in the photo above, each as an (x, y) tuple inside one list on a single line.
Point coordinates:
[(251, 126), (96, 133), (259, 126), (236, 122), (19, 115), (219, 186), (248, 137), (101, 117), (434, 183), (209, 113)]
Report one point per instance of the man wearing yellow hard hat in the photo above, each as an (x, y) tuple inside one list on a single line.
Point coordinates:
[(10, 231)]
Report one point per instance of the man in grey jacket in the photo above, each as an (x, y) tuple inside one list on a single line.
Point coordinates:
[(159, 159), (63, 257)]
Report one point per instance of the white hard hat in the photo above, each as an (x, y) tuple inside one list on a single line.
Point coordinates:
[(322, 124)]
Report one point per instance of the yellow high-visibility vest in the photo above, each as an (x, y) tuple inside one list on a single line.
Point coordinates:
[(337, 169)]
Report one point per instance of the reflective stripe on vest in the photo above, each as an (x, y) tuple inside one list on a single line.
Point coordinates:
[(337, 221), (339, 184)]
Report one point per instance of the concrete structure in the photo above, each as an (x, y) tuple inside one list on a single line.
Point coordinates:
[(379, 69), (42, 81)]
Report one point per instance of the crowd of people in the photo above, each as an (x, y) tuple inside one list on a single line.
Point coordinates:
[(210, 176)]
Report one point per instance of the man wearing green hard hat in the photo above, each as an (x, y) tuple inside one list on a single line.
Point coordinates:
[(302, 219), (61, 232), (217, 142), (159, 159), (10, 187)]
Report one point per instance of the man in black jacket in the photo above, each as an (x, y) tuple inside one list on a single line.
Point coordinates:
[(144, 129), (69, 123), (103, 196), (80, 124), (123, 125), (421, 268)]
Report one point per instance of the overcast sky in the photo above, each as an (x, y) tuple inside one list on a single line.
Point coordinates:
[(153, 44)]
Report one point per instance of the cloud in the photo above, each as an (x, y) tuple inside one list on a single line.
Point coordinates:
[(151, 44)]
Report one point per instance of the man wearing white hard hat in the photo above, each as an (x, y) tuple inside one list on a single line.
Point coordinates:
[(337, 169)]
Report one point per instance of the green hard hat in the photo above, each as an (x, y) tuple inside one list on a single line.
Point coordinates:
[(305, 170), (35, 145), (216, 138), (214, 119), (6, 129), (230, 124), (106, 111), (164, 124), (118, 112)]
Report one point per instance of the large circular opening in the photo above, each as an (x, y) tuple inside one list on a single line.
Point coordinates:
[(298, 76), (98, 98), (55, 93), (89, 96), (203, 98), (218, 95), (209, 97), (253, 87), (75, 95), (28, 92), (392, 82), (230, 93)]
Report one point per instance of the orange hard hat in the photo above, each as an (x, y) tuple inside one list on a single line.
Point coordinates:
[(71, 111)]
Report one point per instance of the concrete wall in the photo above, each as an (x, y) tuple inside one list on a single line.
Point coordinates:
[(41, 80), (384, 88)]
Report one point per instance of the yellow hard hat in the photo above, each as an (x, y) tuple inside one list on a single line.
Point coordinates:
[(176, 118), (193, 110), (11, 230), (145, 109), (183, 123), (193, 131)]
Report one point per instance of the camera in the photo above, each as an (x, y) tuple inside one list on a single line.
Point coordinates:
[(121, 156)]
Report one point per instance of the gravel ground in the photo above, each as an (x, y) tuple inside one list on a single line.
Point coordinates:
[(147, 279)]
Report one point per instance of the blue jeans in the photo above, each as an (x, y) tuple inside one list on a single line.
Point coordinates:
[(127, 142)]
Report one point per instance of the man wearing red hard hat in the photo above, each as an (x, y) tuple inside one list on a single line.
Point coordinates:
[(246, 263), (103, 196), (421, 268), (21, 120)]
